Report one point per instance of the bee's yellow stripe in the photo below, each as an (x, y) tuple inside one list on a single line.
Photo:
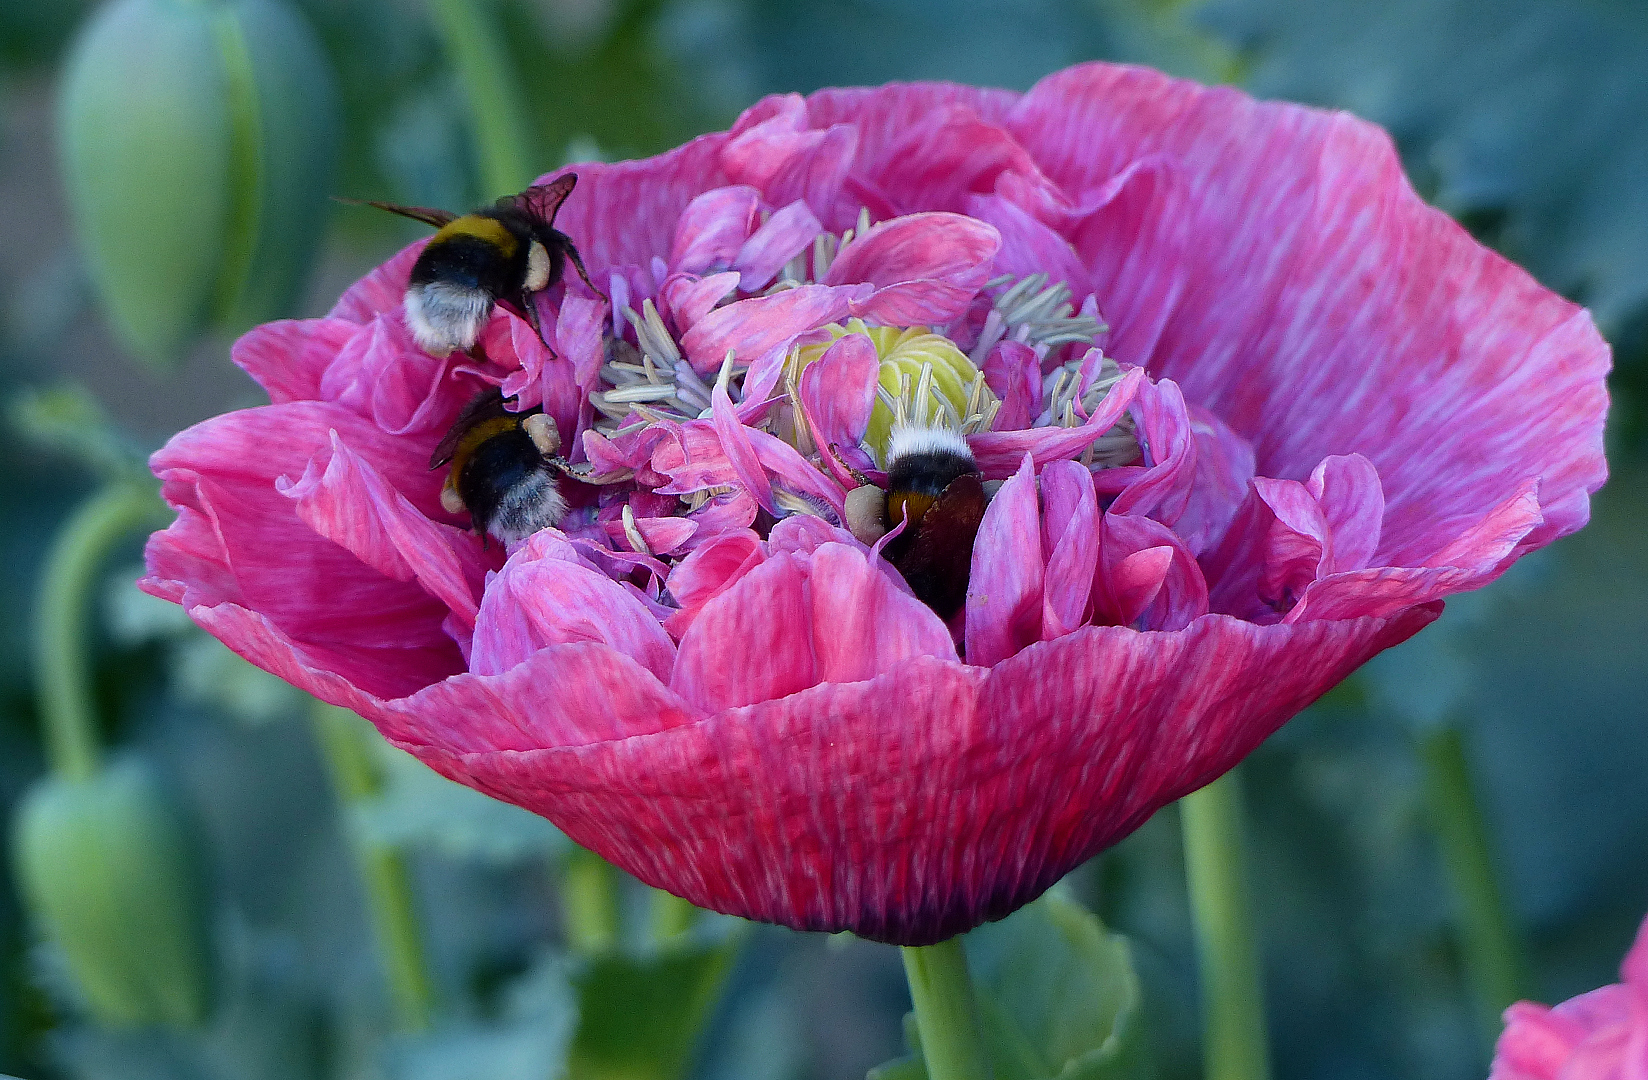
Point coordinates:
[(480, 433), (481, 228)]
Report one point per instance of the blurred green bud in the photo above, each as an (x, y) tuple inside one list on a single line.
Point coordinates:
[(109, 868), (198, 138)]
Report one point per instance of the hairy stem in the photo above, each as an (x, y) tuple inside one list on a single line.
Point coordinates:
[(946, 1015), (389, 902), (589, 902), (1234, 1042), (63, 628), (1492, 950), (497, 111)]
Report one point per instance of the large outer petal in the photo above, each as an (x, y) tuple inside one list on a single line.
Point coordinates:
[(1327, 310), (239, 540), (916, 805)]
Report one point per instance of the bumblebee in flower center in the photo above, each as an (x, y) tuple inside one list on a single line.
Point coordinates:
[(504, 253), (505, 469)]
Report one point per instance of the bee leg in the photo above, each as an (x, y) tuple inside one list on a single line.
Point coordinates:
[(835, 452), (578, 264)]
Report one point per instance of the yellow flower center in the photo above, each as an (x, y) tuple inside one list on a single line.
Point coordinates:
[(925, 380)]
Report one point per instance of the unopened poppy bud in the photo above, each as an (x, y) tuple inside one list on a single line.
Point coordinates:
[(198, 138), (108, 868)]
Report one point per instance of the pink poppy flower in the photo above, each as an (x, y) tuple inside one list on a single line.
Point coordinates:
[(1234, 410), (1602, 1035)]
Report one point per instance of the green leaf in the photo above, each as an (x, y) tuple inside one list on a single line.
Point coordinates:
[(419, 808), (640, 1017), (527, 1042), (1058, 999)]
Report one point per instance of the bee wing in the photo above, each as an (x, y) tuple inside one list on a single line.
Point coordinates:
[(426, 214), (486, 405), (544, 200)]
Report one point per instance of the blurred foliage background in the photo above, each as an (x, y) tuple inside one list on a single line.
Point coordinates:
[(1527, 119)]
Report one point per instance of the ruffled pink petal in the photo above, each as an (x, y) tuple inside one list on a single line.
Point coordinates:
[(713, 228), (1420, 323), (382, 291), (1133, 239), (1012, 371), (884, 116), (560, 379), (349, 503), (816, 173), (661, 535), (288, 358), (829, 617), (1070, 539), (740, 454), (379, 633), (1004, 588), (765, 137), (1030, 247), (763, 326), (1534, 1044), (688, 299), (998, 453), (948, 156), (1353, 505), (728, 811), (838, 392), (625, 213), (1146, 576), (709, 570), (796, 473), (1477, 557), (785, 235), (1162, 489), (926, 267), (580, 693), (1224, 465), (383, 374), (540, 599)]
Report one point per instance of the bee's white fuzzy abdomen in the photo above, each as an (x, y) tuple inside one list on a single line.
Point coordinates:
[(444, 317)]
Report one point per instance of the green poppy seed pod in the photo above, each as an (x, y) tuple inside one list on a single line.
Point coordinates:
[(198, 138), (109, 869)]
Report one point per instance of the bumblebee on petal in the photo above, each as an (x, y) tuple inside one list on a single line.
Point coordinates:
[(505, 469), (501, 254)]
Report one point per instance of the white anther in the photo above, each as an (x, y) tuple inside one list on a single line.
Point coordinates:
[(632, 533)]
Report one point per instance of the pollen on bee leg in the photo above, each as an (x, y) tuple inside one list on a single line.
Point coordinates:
[(543, 433), (451, 501), (867, 513)]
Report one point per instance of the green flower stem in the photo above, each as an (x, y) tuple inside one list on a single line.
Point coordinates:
[(1234, 1042), (383, 871), (63, 629), (946, 1014), (589, 902), (671, 915), (497, 111), (1492, 950)]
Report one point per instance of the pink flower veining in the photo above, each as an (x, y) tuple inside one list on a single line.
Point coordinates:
[(1602, 1035), (1254, 408)]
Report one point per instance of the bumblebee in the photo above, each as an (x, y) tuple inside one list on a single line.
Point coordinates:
[(935, 487), (501, 254), (505, 469)]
